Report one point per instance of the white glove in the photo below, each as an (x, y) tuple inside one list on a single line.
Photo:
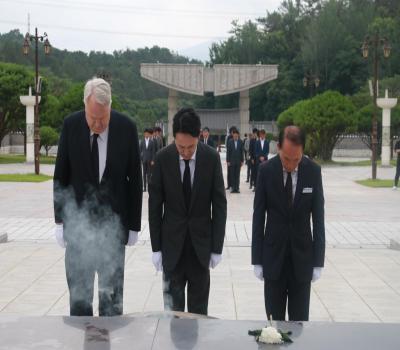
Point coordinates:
[(215, 259), (316, 274), (157, 260), (59, 234), (258, 272), (133, 238)]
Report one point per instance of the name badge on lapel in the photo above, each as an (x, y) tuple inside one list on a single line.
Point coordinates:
[(307, 190)]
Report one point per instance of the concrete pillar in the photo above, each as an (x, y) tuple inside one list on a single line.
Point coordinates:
[(386, 104), (29, 102), (172, 110), (244, 108)]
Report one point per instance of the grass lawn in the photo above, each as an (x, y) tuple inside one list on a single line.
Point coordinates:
[(24, 178), (376, 183), (20, 158)]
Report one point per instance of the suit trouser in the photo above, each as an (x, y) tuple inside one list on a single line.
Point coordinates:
[(287, 290), (188, 271), (146, 173), (81, 264), (228, 177), (235, 176), (249, 166), (254, 170), (396, 178)]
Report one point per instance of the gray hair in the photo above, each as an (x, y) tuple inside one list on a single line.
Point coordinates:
[(100, 90)]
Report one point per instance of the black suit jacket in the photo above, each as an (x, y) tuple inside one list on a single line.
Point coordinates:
[(148, 154), (262, 152), (252, 149), (169, 219), (234, 156), (288, 227), (120, 189), (210, 142)]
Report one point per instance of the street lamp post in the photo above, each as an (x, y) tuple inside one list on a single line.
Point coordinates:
[(47, 48), (375, 42), (311, 81)]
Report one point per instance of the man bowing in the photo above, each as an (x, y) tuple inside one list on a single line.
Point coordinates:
[(97, 200), (187, 215), (285, 253)]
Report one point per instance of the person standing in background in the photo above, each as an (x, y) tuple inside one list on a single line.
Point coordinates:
[(253, 158), (148, 148), (396, 178), (246, 147), (206, 137), (234, 160)]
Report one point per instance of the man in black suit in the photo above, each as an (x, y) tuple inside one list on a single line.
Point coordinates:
[(187, 215), (253, 158), (262, 148), (228, 171), (285, 253), (97, 200), (148, 149), (234, 160), (206, 137), (158, 138)]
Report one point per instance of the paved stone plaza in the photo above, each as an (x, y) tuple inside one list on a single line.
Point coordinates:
[(360, 282)]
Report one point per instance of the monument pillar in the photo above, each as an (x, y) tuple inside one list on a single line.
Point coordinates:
[(172, 110), (386, 104), (29, 103), (244, 108)]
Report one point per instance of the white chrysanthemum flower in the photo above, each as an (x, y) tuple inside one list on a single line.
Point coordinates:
[(270, 335)]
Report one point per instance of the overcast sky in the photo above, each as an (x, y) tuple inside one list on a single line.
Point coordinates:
[(185, 26)]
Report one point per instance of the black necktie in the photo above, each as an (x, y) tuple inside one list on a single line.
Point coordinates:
[(187, 184), (289, 190), (95, 158)]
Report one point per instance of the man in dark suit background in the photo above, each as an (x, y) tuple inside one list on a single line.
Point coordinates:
[(187, 215), (253, 158), (285, 252), (97, 200), (262, 148), (206, 137), (234, 160), (158, 138), (228, 169), (148, 149)]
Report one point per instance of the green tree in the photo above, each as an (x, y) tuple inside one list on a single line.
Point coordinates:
[(14, 82), (324, 118), (48, 138)]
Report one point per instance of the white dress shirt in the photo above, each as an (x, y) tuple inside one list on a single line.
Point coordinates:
[(192, 166), (262, 143), (146, 140), (294, 175), (102, 141)]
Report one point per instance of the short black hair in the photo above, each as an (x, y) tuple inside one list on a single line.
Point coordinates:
[(186, 121), (232, 128), (235, 131), (149, 130), (294, 134), (262, 131), (255, 130), (206, 129), (157, 129)]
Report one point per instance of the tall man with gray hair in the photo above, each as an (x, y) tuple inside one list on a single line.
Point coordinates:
[(97, 199)]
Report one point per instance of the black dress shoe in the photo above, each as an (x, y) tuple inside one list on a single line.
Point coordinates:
[(227, 188)]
